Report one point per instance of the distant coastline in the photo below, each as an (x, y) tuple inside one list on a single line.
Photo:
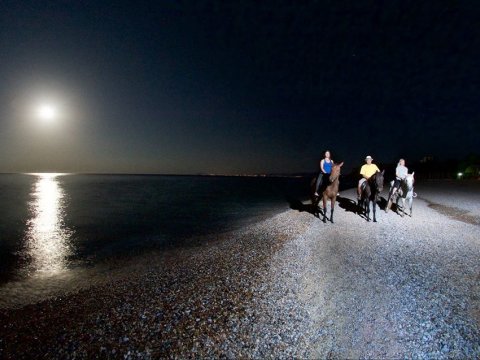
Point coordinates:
[(160, 174)]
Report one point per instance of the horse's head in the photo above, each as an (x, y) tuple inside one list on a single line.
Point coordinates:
[(335, 172), (409, 180), (379, 180)]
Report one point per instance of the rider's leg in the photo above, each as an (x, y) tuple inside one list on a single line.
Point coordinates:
[(394, 190), (319, 183), (396, 185), (359, 189)]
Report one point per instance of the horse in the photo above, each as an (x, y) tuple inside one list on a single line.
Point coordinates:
[(370, 190), (329, 193), (405, 193)]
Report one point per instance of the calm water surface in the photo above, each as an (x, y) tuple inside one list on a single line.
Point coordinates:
[(54, 225)]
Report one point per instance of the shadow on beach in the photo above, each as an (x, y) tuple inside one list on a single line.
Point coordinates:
[(352, 206), (348, 205), (382, 203), (298, 205)]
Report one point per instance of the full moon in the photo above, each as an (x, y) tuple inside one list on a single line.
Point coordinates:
[(47, 112)]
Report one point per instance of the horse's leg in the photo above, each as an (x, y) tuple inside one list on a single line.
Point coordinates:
[(364, 208), (317, 206), (389, 203), (367, 209), (324, 208), (402, 210), (374, 209), (332, 205), (410, 205)]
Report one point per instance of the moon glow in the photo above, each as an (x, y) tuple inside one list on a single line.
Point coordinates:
[(47, 112)]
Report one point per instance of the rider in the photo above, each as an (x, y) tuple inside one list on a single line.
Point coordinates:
[(401, 173), (325, 169), (366, 171)]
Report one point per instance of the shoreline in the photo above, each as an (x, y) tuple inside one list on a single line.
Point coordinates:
[(17, 293)]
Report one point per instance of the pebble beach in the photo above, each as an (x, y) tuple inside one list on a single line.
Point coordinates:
[(287, 286)]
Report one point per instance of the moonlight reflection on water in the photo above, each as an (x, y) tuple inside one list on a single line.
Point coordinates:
[(47, 238)]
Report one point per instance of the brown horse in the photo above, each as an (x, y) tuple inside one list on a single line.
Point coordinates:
[(329, 192)]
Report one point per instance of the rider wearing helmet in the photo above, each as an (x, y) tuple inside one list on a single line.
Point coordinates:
[(367, 170)]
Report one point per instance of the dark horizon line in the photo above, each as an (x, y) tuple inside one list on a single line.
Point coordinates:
[(155, 174)]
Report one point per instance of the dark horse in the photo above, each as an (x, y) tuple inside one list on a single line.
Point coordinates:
[(330, 191), (370, 190)]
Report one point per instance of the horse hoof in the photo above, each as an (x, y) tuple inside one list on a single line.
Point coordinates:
[(374, 220)]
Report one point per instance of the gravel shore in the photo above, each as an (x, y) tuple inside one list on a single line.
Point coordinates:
[(288, 286)]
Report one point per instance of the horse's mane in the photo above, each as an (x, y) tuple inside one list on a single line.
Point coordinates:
[(404, 183)]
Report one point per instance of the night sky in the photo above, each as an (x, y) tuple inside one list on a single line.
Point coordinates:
[(236, 87)]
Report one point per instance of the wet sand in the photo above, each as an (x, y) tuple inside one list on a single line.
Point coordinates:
[(288, 286)]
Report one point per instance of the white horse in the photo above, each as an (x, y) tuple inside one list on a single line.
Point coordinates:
[(405, 193)]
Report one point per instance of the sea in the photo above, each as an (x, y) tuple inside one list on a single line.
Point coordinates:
[(53, 226)]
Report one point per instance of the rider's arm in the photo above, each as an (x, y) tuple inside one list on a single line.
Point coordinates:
[(321, 166)]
